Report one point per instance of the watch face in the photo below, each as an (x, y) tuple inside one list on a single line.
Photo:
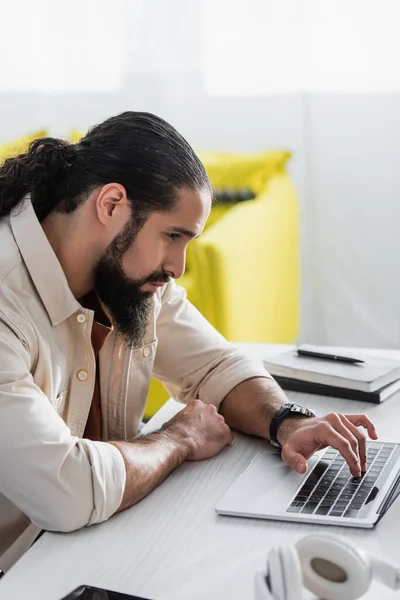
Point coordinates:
[(302, 410)]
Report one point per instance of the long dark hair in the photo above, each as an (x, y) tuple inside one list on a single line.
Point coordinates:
[(140, 151)]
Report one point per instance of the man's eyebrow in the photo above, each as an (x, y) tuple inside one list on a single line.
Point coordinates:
[(183, 231)]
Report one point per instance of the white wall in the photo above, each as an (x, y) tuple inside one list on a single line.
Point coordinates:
[(345, 148), (354, 147)]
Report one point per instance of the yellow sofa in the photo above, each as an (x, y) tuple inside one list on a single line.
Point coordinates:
[(243, 272), (19, 145)]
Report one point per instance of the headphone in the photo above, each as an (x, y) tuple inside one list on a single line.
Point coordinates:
[(328, 565)]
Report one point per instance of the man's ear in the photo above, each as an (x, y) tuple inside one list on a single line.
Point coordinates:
[(113, 207)]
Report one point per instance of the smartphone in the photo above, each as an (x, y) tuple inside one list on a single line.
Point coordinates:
[(87, 592)]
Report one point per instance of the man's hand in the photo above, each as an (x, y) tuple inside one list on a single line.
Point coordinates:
[(195, 433), (202, 428), (300, 438)]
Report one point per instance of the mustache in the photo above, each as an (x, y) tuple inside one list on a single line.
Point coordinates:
[(158, 276)]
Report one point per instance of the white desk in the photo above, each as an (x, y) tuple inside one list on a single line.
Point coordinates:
[(172, 545)]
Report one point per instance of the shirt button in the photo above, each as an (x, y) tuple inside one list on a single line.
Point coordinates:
[(82, 375), (81, 318), (146, 351)]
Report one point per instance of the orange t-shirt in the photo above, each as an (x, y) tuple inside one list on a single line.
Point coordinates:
[(102, 328)]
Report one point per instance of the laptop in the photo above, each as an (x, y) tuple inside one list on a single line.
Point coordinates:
[(326, 495)]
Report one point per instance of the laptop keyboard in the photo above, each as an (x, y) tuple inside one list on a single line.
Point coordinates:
[(330, 489)]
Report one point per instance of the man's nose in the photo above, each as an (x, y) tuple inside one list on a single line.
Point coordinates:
[(175, 266)]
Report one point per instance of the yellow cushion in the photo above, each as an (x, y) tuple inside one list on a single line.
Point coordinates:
[(246, 267), (20, 145), (238, 170), (233, 171), (75, 136), (203, 282), (156, 397)]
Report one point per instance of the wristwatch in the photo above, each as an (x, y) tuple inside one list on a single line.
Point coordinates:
[(287, 410)]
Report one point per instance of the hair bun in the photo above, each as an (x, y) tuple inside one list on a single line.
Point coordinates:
[(53, 154)]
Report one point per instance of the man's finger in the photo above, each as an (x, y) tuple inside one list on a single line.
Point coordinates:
[(326, 434), (295, 460), (350, 433), (362, 420), (360, 436)]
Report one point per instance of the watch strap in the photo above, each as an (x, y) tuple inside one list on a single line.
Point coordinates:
[(289, 409)]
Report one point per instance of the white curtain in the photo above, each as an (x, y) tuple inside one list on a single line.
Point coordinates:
[(57, 47), (262, 47)]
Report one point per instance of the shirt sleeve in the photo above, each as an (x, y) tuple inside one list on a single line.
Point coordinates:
[(193, 360), (59, 481)]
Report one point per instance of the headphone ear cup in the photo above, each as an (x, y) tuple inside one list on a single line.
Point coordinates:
[(333, 568), (284, 574)]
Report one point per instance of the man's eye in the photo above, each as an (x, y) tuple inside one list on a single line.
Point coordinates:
[(174, 236)]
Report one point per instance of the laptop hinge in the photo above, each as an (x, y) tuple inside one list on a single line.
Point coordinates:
[(390, 498)]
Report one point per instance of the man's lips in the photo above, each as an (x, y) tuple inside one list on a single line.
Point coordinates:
[(157, 284)]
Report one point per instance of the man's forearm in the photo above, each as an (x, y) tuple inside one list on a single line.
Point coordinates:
[(148, 461), (250, 406)]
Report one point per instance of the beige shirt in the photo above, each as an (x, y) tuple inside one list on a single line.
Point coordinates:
[(50, 476)]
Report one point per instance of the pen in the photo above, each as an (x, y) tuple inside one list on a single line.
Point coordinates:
[(325, 356)]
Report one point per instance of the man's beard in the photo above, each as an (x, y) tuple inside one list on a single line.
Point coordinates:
[(128, 305)]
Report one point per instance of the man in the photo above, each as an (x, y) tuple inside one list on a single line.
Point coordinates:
[(92, 237)]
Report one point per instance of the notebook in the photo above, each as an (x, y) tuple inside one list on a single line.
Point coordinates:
[(307, 387), (371, 375)]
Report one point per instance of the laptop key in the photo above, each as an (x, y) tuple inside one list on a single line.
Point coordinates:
[(322, 510), (327, 503), (317, 496), (355, 505), (307, 487), (301, 495), (314, 477), (336, 513), (293, 509), (304, 493), (346, 497), (340, 480), (340, 506), (361, 498), (309, 508)]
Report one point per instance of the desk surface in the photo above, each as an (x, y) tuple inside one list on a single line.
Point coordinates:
[(172, 545)]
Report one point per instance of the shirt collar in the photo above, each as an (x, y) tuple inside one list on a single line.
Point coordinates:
[(42, 263)]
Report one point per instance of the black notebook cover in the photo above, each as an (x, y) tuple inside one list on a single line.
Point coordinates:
[(295, 385)]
